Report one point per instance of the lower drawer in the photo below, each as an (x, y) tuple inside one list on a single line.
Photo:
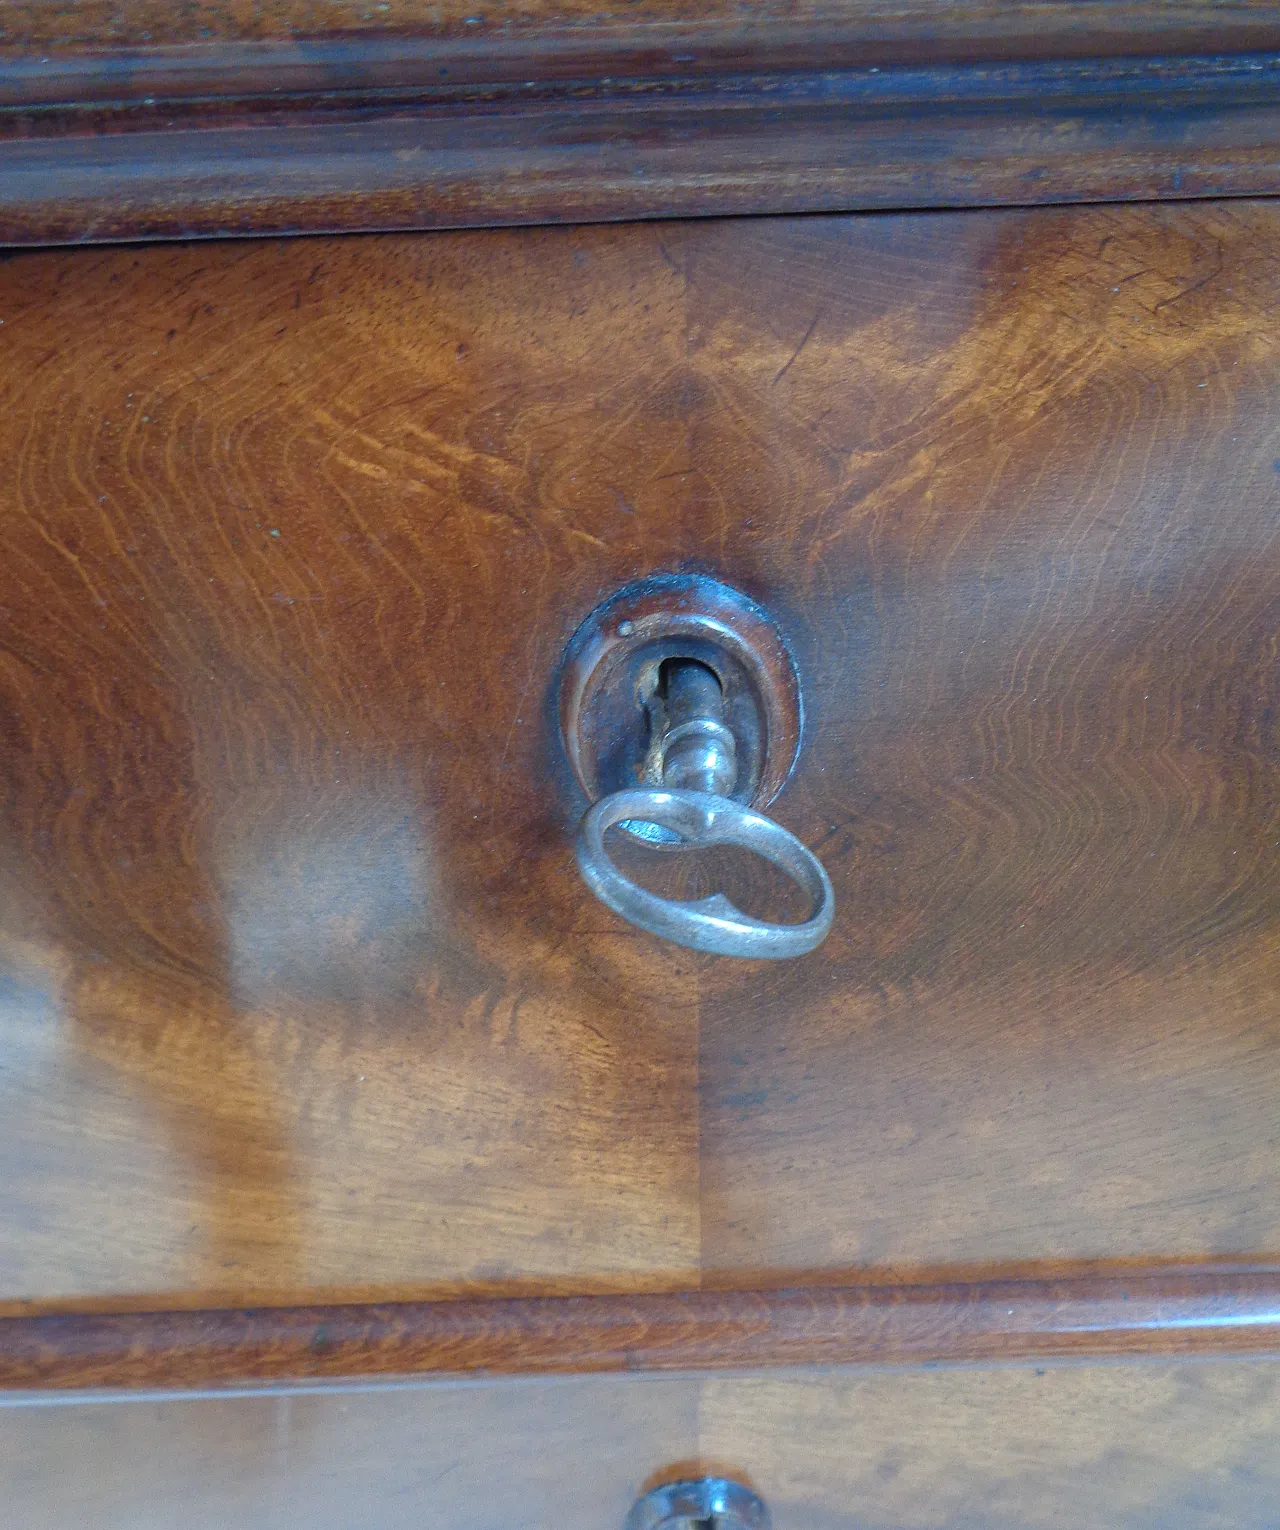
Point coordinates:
[(1139, 1447)]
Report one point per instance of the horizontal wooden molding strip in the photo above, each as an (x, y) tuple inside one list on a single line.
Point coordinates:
[(1168, 1314), (353, 138), (100, 37)]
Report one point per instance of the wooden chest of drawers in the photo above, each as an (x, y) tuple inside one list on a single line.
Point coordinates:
[(360, 1166)]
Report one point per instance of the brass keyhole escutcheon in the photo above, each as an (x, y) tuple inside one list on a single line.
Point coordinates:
[(680, 712), (701, 1503), (613, 675)]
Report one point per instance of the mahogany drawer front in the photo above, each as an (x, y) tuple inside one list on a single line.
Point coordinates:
[(306, 1000), (501, 1456), (1146, 1447)]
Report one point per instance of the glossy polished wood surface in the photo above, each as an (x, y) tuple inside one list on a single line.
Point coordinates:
[(305, 998), (1038, 503), (1144, 1447)]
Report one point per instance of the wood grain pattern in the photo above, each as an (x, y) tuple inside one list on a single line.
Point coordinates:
[(306, 1003), (1039, 617), (304, 993), (1190, 1312)]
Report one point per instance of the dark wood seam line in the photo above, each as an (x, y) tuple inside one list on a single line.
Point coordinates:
[(47, 104), (473, 58)]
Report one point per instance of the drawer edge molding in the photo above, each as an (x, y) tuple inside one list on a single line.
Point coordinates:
[(1158, 1313), (360, 143)]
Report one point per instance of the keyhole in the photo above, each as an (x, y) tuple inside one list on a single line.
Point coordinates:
[(696, 749), (702, 675)]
